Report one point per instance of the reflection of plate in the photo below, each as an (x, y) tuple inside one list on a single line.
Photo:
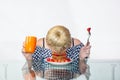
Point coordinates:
[(58, 63)]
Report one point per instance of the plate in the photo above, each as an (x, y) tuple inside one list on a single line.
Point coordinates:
[(58, 63)]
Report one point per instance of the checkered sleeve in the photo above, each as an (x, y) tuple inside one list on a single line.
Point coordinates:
[(73, 53), (38, 58)]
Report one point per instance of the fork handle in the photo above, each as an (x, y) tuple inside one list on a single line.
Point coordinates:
[(87, 43)]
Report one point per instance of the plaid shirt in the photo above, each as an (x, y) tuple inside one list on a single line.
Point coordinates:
[(55, 72)]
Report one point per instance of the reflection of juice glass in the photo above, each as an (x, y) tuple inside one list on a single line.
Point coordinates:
[(30, 44)]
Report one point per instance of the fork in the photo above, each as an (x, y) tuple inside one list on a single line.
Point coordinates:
[(89, 34), (88, 38)]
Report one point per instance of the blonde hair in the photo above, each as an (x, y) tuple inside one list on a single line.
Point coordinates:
[(58, 38)]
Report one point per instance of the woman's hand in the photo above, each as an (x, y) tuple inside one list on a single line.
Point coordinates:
[(28, 56), (85, 51)]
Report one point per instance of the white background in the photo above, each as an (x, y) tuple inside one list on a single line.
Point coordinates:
[(19, 18)]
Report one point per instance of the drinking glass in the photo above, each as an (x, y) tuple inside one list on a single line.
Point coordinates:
[(30, 44)]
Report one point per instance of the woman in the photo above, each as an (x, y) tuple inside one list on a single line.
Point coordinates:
[(58, 40)]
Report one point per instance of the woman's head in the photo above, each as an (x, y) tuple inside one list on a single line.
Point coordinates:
[(58, 38)]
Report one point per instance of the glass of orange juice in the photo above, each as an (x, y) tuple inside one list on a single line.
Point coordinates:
[(30, 44)]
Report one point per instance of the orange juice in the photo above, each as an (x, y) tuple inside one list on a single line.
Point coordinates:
[(30, 44)]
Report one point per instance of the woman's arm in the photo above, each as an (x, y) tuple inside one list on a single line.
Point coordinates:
[(84, 53), (28, 73)]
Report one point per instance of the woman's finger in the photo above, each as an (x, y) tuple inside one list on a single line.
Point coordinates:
[(23, 50), (87, 47), (88, 43), (23, 44)]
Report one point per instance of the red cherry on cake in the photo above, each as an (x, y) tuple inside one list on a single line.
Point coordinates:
[(48, 59)]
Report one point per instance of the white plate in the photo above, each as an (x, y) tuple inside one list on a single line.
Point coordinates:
[(58, 63)]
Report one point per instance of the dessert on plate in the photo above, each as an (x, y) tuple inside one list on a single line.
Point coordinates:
[(61, 57)]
